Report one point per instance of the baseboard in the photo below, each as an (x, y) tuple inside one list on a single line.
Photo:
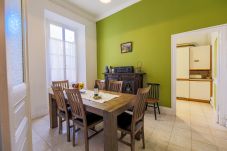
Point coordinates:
[(38, 114)]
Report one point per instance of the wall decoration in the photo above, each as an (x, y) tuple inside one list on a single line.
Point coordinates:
[(126, 47)]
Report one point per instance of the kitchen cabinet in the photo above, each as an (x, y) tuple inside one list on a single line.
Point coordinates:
[(200, 90), (182, 63), (200, 58), (182, 90)]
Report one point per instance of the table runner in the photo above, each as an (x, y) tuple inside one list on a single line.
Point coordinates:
[(88, 95)]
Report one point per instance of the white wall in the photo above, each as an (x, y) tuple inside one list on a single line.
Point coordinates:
[(37, 54), (201, 38)]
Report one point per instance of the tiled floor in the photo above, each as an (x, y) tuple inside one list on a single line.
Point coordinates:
[(192, 129)]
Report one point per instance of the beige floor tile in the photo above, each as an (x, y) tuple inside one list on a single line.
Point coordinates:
[(222, 134), (201, 129), (181, 141), (172, 147), (221, 143), (181, 132), (193, 128), (204, 138), (199, 146)]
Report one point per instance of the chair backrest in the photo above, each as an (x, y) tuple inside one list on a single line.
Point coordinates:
[(63, 84), (139, 106), (60, 98), (76, 104), (154, 91), (101, 84), (115, 86)]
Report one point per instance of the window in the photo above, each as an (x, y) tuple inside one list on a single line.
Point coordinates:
[(61, 53)]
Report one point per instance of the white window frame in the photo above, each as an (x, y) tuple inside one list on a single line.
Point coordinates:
[(47, 36)]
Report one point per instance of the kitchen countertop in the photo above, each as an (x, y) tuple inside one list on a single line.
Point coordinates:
[(179, 79)]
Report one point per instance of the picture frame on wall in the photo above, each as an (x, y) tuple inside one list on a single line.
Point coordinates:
[(126, 47)]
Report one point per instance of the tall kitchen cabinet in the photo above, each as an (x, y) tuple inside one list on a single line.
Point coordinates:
[(191, 60), (182, 72), (200, 60)]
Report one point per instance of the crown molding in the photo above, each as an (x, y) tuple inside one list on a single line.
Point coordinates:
[(75, 9), (117, 9)]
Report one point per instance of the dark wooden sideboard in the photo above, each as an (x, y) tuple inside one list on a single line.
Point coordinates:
[(131, 81)]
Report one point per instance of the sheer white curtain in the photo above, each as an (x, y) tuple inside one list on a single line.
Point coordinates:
[(222, 78), (61, 53)]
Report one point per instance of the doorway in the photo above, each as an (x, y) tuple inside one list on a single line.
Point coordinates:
[(189, 89)]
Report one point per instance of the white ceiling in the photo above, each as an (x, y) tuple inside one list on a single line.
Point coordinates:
[(100, 10)]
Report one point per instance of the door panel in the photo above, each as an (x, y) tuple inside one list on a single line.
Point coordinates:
[(182, 90), (19, 113), (182, 63), (200, 90), (200, 58)]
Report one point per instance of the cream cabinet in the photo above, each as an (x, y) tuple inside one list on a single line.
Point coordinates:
[(200, 90), (200, 58), (182, 90), (182, 63)]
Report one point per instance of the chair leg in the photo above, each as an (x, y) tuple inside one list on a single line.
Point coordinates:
[(155, 112), (132, 142), (60, 124), (68, 129), (86, 139), (146, 106), (143, 138), (74, 134), (158, 108)]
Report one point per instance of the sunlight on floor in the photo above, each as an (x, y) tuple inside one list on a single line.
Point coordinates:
[(193, 128)]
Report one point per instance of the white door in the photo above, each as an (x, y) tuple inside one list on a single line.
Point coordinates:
[(200, 58), (182, 63), (18, 109)]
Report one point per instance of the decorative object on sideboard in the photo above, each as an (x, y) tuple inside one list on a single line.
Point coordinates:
[(124, 69), (110, 69), (106, 69), (138, 68), (126, 47)]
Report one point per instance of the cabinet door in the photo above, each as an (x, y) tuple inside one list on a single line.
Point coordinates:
[(200, 58), (182, 63), (182, 89), (200, 90)]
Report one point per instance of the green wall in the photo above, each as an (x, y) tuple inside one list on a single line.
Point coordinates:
[(149, 24)]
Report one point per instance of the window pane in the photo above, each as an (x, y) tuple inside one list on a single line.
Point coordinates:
[(69, 35), (71, 75), (15, 45), (70, 49), (56, 46), (62, 54), (55, 31), (57, 74)]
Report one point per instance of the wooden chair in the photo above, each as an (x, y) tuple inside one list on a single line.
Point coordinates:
[(81, 118), (133, 124), (64, 113), (101, 84), (115, 86), (153, 97), (63, 84)]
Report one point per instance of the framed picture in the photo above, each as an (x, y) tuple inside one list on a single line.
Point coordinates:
[(126, 47)]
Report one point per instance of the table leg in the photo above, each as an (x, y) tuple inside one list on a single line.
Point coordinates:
[(110, 132), (53, 112)]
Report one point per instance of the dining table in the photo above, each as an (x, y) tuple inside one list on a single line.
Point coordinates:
[(109, 110)]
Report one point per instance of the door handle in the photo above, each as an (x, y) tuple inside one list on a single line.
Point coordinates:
[(197, 60)]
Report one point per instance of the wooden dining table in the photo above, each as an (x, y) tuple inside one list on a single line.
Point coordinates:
[(108, 110)]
